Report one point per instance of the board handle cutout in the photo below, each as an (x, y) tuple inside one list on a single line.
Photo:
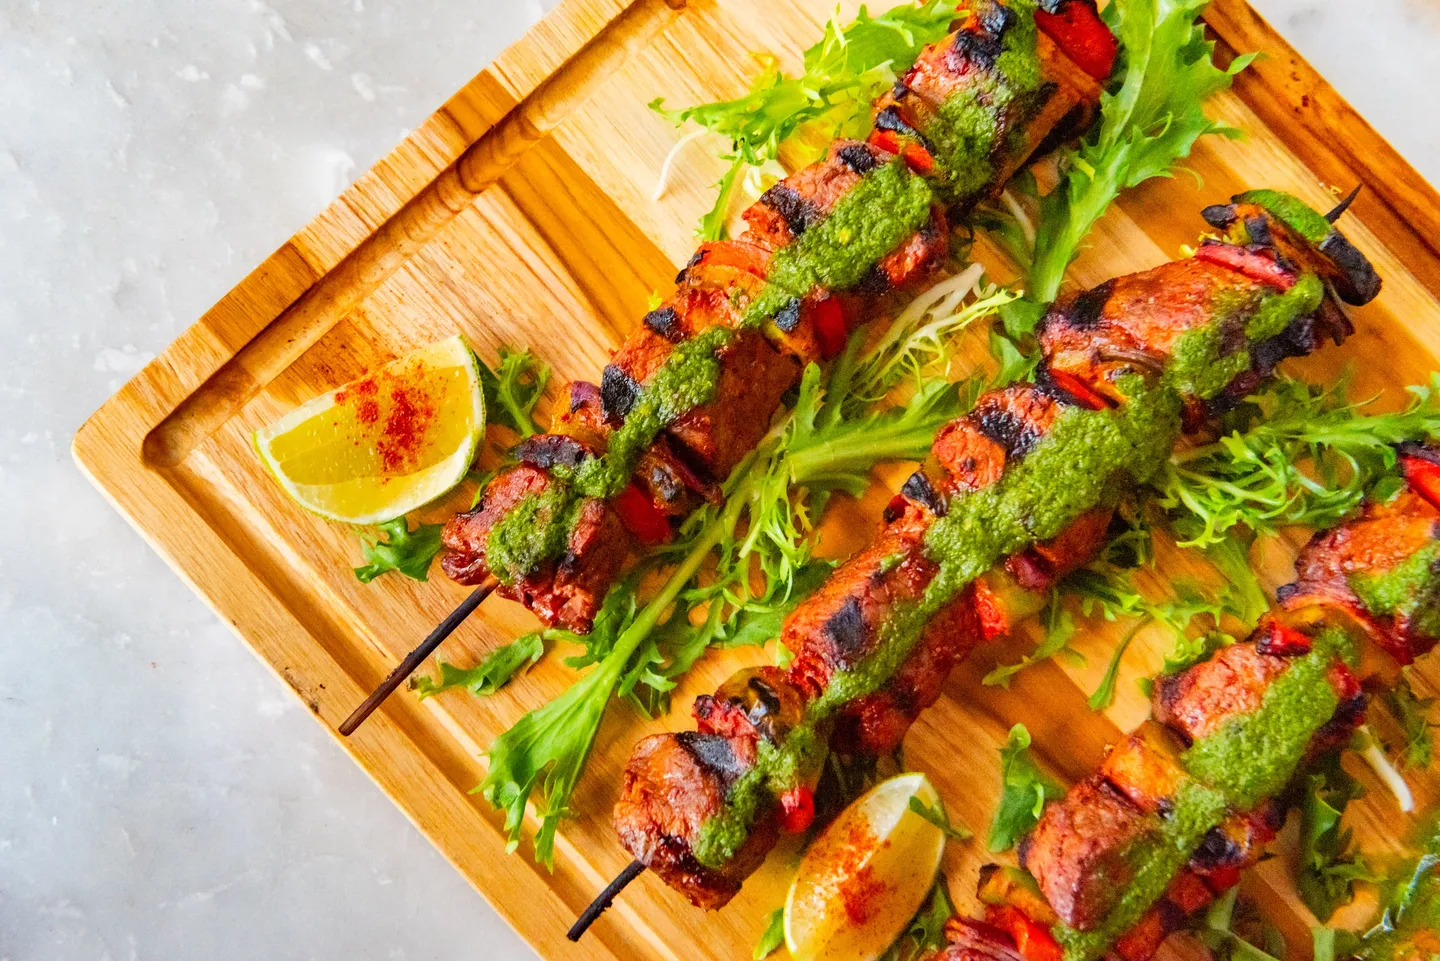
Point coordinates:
[(270, 352)]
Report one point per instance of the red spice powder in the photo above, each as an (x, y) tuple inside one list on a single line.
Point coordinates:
[(400, 443), (860, 892), (361, 388)]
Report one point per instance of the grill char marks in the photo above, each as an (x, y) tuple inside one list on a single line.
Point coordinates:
[(982, 47), (665, 322), (860, 158), (798, 213), (618, 392)]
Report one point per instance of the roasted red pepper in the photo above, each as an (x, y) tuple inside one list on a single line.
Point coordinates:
[(1424, 476), (829, 322), (1281, 640), (797, 809), (994, 622), (641, 517), (1076, 28), (1253, 264), (916, 157), (1077, 389), (1032, 940)]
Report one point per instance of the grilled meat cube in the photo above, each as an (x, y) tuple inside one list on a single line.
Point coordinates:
[(839, 626), (1005, 425), (753, 378), (1080, 851), (836, 628), (1134, 322), (804, 198), (1200, 700), (672, 784), (566, 592), (877, 723), (911, 118), (1038, 568), (1360, 552)]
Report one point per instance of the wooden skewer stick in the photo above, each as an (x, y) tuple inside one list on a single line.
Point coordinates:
[(416, 657), (603, 900)]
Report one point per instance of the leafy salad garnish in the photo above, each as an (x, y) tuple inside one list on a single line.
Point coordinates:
[(1147, 125), (1024, 790), (844, 72), (407, 551), (1293, 455), (844, 421), (1328, 869)]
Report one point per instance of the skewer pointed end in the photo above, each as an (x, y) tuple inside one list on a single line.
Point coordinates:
[(1343, 205), (603, 900)]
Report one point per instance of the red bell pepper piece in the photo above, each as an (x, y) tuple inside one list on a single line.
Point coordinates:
[(1078, 389), (1282, 640), (1032, 940), (1251, 263), (916, 157), (885, 140), (829, 322), (641, 517), (1423, 476), (1076, 28), (797, 809), (994, 622)]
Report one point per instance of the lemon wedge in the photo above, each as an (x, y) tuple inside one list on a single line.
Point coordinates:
[(385, 444), (862, 880)]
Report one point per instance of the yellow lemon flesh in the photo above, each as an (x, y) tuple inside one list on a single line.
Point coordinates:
[(862, 880), (385, 444)]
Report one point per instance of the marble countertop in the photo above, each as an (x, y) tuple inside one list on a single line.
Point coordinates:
[(162, 795)]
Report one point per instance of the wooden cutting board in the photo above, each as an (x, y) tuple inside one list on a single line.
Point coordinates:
[(521, 213)]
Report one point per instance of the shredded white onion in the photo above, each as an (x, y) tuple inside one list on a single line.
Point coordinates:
[(665, 168), (1380, 764), (941, 299), (1027, 226)]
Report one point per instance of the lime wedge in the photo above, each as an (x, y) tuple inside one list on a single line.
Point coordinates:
[(385, 444), (862, 881)]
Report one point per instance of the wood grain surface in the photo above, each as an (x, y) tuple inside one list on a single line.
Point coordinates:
[(521, 213)]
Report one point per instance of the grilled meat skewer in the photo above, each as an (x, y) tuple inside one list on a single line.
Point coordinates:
[(1022, 492), (1182, 806), (692, 391)]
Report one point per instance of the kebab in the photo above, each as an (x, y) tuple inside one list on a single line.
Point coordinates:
[(1021, 491), (1183, 805), (695, 387)]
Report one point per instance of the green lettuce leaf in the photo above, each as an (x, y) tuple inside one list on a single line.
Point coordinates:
[(1024, 791), (512, 392), (489, 675), (1328, 870), (407, 551), (1147, 125), (844, 72)]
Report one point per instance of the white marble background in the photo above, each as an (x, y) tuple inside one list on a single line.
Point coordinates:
[(161, 795)]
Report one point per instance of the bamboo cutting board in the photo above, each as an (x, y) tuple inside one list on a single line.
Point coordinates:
[(520, 213)]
